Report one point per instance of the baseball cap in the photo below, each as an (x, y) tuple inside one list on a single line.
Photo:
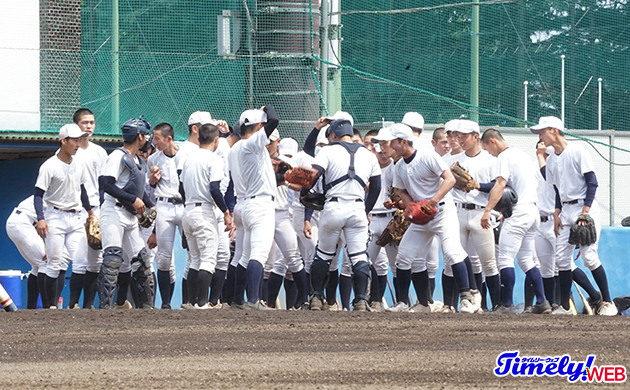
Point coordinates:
[(402, 131), (384, 134), (321, 137), (341, 115), (252, 117), (546, 122), (201, 117), (71, 130), (341, 127), (274, 136), (451, 125), (288, 147), (464, 126), (413, 119)]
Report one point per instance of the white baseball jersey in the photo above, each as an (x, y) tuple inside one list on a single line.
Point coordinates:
[(421, 176), (115, 168), (480, 168), (92, 158), (387, 175), (27, 208), (519, 171), (251, 168), (566, 171), (168, 185), (282, 191), (223, 149), (449, 158), (546, 196), (61, 183), (201, 168), (185, 148), (365, 165)]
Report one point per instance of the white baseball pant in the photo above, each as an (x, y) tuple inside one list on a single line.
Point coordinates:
[(564, 250), (258, 215), (380, 256), (119, 228), (517, 238), (200, 227), (169, 217), (481, 239), (66, 230), (30, 245)]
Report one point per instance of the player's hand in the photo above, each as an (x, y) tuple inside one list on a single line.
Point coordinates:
[(541, 149), (486, 219), (389, 204), (321, 122), (138, 204), (223, 127), (42, 228), (152, 241), (433, 202), (557, 224), (307, 230), (155, 176), (91, 214), (229, 226)]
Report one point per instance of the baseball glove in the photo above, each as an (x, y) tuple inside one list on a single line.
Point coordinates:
[(420, 212), (463, 180), (313, 201), (280, 166), (93, 231), (303, 176), (146, 219), (583, 235), (625, 222), (394, 195), (395, 229)]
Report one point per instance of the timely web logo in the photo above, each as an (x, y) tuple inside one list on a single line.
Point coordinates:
[(510, 363)]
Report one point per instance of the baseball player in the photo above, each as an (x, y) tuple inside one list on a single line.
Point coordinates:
[(420, 175), (570, 170), (86, 266), (122, 181), (348, 167), (513, 168), (60, 184), (201, 176), (470, 206), (254, 185)]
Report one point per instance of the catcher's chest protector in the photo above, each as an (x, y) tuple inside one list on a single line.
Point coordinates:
[(351, 175), (137, 178)]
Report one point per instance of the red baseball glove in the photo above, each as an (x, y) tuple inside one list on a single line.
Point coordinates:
[(303, 176), (420, 212)]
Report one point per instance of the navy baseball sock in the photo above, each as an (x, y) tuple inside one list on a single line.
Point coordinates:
[(494, 288), (33, 292), (229, 286), (382, 286), (471, 274), (404, 280), (216, 286), (373, 285), (319, 277), (164, 285), (550, 289), (537, 284), (528, 292), (360, 279), (240, 281), (479, 281), (264, 291), (89, 289), (204, 278), (421, 285), (566, 280), (76, 286), (273, 288), (193, 285), (331, 287), (124, 278), (51, 291), (602, 282), (61, 282), (41, 284), (431, 286), (580, 278), (558, 293), (301, 289), (254, 279), (345, 290), (395, 284), (508, 277), (172, 290), (291, 294), (448, 289), (460, 274), (185, 298), (484, 296), (308, 280)]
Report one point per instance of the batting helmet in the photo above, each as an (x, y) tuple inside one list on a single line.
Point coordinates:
[(508, 199), (133, 127)]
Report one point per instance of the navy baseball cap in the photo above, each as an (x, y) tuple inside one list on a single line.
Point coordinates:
[(341, 127)]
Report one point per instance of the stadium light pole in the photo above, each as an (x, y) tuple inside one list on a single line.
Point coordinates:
[(323, 66), (599, 104), (525, 83), (474, 63), (562, 91), (115, 68)]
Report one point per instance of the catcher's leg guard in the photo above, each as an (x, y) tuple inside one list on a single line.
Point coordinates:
[(142, 281), (108, 276)]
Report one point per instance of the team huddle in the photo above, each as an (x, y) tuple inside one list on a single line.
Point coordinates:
[(256, 214)]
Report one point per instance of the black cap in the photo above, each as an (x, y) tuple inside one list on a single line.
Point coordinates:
[(341, 127)]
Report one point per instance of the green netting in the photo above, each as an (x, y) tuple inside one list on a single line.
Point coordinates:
[(393, 57)]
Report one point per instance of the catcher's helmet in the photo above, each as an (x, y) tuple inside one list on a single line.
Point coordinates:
[(133, 127), (508, 199)]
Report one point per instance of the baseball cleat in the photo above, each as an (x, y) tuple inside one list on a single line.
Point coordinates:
[(419, 308), (361, 305), (75, 306), (447, 309), (466, 306), (607, 309), (125, 306), (476, 299), (436, 306), (502, 309), (528, 310), (561, 311), (542, 308), (377, 307), (316, 303), (187, 306), (399, 307)]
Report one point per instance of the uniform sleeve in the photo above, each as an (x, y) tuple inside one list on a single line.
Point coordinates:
[(216, 171), (322, 158), (502, 168), (113, 165), (44, 177), (396, 179), (585, 161), (436, 163), (256, 142)]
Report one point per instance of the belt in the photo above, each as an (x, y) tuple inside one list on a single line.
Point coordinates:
[(171, 200), (574, 201), (273, 198), (198, 204), (67, 211), (335, 199), (469, 206), (387, 214), (544, 219)]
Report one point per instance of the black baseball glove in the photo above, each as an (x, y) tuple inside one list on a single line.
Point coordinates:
[(583, 234)]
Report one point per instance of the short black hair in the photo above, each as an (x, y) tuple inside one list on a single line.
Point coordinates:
[(207, 134), (491, 133), (437, 133), (357, 132), (79, 113), (165, 130), (371, 133)]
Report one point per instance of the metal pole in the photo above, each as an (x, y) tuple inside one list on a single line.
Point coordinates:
[(562, 92), (115, 68), (599, 104), (474, 63), (611, 174), (323, 67), (525, 83)]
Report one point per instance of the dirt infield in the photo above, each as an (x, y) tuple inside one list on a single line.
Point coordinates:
[(319, 350)]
